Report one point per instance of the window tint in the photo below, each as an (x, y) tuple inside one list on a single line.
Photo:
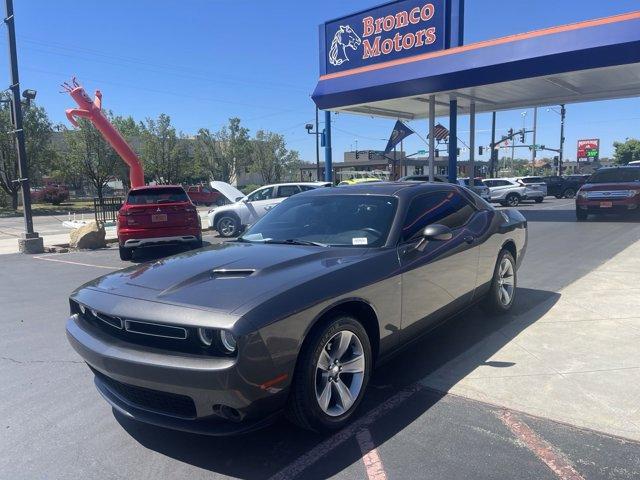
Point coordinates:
[(157, 195), (446, 208), (262, 194), (287, 190), (306, 188)]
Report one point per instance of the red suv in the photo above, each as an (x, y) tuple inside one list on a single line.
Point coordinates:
[(157, 215), (609, 190)]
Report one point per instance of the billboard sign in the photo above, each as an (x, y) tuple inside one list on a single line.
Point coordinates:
[(389, 32), (589, 150)]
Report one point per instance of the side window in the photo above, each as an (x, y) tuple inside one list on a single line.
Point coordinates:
[(287, 190), (262, 194), (306, 188), (447, 208), (490, 183)]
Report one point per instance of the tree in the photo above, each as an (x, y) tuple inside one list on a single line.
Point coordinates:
[(40, 154), (271, 159), (221, 154), (626, 152), (90, 153), (166, 154)]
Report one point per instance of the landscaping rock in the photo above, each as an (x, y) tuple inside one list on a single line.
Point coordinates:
[(89, 236)]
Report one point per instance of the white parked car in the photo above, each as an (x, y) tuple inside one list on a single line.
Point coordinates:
[(506, 191), (536, 188), (229, 220)]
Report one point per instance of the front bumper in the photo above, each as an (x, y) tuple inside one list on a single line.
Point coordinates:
[(200, 394), (609, 206)]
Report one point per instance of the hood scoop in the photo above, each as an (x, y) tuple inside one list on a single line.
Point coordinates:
[(230, 273)]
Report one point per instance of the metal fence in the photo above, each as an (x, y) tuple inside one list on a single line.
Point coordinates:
[(107, 210)]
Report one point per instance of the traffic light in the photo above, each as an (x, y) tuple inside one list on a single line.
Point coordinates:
[(510, 133), (522, 135), (437, 152), (556, 160), (357, 155), (370, 155), (480, 150)]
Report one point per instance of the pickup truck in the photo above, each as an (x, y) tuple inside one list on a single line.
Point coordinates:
[(564, 187), (203, 195)]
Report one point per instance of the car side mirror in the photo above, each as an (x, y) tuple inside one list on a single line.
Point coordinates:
[(434, 232), (244, 199)]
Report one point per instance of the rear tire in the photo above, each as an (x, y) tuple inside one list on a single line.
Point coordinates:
[(539, 200), (126, 254), (502, 293), (228, 226), (323, 397), (512, 200), (581, 215), (569, 193), (197, 244)]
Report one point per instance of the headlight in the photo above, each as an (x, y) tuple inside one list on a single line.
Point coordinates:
[(228, 341), (206, 336), (582, 194), (633, 193), (222, 340)]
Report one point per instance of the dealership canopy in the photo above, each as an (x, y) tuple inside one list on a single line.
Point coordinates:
[(387, 61)]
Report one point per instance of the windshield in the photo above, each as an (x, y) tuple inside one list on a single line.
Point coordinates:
[(616, 175), (157, 195), (331, 220)]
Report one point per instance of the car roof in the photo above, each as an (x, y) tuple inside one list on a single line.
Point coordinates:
[(400, 188), (160, 187)]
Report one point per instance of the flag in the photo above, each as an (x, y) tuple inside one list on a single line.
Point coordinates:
[(441, 133), (400, 132)]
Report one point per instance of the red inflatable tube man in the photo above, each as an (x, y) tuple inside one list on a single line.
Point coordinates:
[(92, 111)]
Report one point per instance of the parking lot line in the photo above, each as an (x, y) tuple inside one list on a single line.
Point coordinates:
[(49, 259), (553, 458), (370, 457), (311, 457)]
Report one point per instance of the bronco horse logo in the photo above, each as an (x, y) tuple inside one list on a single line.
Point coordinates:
[(344, 38)]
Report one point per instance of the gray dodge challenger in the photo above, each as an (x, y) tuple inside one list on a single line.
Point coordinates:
[(294, 315)]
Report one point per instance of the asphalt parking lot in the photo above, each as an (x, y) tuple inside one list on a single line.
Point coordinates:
[(55, 424)]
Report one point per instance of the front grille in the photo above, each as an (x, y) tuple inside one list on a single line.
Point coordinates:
[(160, 402), (606, 195), (167, 337)]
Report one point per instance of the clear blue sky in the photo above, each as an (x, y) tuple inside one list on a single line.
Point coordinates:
[(203, 61)]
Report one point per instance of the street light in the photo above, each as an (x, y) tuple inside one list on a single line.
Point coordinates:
[(28, 96), (309, 128)]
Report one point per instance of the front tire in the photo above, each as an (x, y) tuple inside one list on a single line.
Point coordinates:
[(512, 200), (569, 193), (331, 376), (502, 293), (539, 199), (126, 254), (228, 226), (581, 215)]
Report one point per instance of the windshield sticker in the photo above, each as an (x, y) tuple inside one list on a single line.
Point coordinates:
[(359, 241)]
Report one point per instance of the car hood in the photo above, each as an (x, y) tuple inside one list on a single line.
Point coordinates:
[(230, 192), (226, 276), (611, 186)]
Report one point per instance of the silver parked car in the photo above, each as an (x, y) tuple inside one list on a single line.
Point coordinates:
[(229, 220), (536, 188), (506, 191)]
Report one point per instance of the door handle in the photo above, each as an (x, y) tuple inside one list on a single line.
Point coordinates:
[(469, 239)]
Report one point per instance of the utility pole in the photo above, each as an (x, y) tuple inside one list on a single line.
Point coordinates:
[(31, 241), (328, 160), (494, 152), (563, 113), (535, 145)]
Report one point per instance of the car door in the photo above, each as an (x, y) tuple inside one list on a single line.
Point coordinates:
[(442, 277), (259, 202)]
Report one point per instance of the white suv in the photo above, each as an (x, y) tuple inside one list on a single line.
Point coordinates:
[(505, 191), (229, 220), (536, 188)]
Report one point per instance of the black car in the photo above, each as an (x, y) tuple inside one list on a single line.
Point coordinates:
[(294, 315), (564, 187)]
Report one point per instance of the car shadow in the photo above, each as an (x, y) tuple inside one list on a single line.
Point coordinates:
[(272, 450)]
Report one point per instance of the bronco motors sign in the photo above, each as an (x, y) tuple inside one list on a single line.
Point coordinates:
[(388, 32)]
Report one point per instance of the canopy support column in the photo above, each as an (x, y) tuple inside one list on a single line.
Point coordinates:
[(432, 136), (472, 143), (328, 161), (453, 140)]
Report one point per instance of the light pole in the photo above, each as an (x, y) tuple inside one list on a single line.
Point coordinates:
[(563, 114), (309, 128), (31, 241)]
